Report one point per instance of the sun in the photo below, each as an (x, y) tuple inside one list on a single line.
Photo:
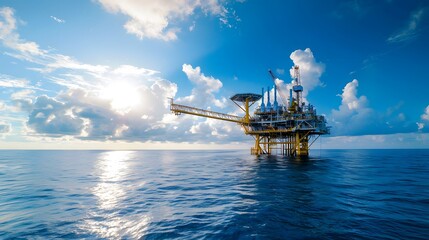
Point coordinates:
[(123, 97)]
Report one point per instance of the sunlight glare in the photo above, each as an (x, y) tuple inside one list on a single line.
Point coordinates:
[(123, 97), (113, 168)]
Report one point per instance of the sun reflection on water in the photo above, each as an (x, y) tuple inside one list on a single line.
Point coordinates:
[(107, 219)]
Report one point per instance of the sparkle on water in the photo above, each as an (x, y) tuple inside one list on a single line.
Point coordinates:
[(335, 194)]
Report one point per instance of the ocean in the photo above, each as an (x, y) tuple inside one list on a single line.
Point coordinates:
[(333, 194)]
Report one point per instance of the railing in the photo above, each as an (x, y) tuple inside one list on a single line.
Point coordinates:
[(178, 109)]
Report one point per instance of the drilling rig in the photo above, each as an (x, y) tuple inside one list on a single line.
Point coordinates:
[(286, 129)]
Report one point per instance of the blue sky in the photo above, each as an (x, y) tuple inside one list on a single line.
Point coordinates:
[(97, 74)]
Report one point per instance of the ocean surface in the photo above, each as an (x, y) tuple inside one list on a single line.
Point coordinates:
[(334, 194)]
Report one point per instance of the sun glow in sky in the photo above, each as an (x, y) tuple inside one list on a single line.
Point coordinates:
[(123, 96), (101, 72)]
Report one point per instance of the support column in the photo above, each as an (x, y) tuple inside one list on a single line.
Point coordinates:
[(246, 108), (301, 144), (257, 150)]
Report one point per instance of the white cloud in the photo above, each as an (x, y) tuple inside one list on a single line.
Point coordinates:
[(129, 70), (353, 114), (22, 100), (310, 70), (10, 38), (154, 19), (57, 61), (58, 20), (425, 118), (204, 89), (88, 114), (22, 94), (425, 115), (109, 103), (355, 117), (49, 117), (212, 128), (30, 51), (94, 101), (411, 30), (202, 130), (350, 101), (9, 82)]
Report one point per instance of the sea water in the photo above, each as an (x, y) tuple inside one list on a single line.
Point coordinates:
[(334, 194)]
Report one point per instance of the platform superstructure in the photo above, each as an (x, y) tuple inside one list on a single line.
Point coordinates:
[(287, 128)]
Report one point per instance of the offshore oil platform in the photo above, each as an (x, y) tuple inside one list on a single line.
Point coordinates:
[(287, 129)]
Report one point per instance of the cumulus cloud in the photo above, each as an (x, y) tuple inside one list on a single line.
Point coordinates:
[(310, 69), (310, 72), (203, 130), (425, 118), (49, 116), (353, 115), (203, 93), (96, 102), (155, 19), (22, 100), (350, 101), (425, 115), (410, 31), (95, 113), (216, 131)]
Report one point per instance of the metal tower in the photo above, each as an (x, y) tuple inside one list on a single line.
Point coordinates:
[(277, 129)]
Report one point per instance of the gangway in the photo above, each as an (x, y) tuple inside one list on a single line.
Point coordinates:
[(179, 109)]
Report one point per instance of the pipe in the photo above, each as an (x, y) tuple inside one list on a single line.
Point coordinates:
[(276, 104), (262, 104), (268, 102)]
